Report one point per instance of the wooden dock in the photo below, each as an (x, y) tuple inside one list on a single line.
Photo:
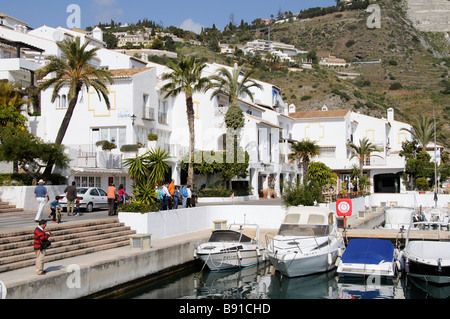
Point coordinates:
[(395, 235)]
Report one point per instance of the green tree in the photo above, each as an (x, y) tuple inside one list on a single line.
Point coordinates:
[(303, 151), (364, 150), (29, 152), (422, 130), (11, 106), (321, 174), (233, 84), (186, 77), (74, 70)]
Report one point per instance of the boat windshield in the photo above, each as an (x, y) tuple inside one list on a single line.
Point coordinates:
[(303, 230), (229, 235)]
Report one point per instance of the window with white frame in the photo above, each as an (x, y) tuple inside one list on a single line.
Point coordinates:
[(116, 135), (163, 111), (328, 152), (88, 181), (163, 140)]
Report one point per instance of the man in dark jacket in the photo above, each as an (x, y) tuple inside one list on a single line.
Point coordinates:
[(40, 236), (71, 192)]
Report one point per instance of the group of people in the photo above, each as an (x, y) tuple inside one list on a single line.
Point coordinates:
[(41, 195), (115, 197), (170, 196)]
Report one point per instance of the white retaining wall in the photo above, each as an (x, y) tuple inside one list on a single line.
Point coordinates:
[(23, 196), (171, 223)]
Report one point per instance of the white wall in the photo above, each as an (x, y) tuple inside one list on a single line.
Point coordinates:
[(23, 196), (171, 223)]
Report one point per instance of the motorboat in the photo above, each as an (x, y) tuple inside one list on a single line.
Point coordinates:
[(232, 248), (426, 255), (398, 217), (307, 242), (369, 257)]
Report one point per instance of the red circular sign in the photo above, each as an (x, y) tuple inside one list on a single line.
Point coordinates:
[(344, 207)]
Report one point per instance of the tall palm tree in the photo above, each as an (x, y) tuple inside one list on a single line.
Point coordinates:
[(303, 151), (234, 84), (186, 77), (74, 70), (422, 131), (362, 151)]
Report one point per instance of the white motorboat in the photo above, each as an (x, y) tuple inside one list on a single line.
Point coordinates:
[(308, 242), (369, 257), (428, 259), (232, 248), (398, 217)]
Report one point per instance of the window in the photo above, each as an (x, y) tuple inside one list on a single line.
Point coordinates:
[(94, 192), (88, 181), (163, 110), (116, 135), (328, 152), (163, 140)]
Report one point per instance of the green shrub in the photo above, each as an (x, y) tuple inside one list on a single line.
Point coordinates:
[(138, 207), (300, 194), (422, 184)]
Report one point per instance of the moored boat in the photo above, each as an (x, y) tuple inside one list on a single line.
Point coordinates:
[(428, 259), (308, 242), (230, 248), (369, 257)]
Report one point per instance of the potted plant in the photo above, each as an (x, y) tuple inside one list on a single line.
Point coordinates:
[(265, 192), (422, 185), (152, 140)]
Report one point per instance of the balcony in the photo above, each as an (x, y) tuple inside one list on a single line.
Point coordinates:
[(18, 65)]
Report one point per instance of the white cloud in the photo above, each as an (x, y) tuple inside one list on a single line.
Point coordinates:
[(190, 25), (106, 10)]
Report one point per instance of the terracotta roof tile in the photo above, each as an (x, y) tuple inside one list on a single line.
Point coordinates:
[(319, 114)]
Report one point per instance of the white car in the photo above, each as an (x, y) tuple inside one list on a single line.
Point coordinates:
[(90, 198)]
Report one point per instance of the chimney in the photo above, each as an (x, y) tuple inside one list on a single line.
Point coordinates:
[(390, 115), (292, 108), (97, 33)]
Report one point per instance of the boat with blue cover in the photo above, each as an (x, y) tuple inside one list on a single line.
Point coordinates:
[(369, 257)]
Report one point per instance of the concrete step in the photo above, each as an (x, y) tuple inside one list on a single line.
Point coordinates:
[(69, 240), (7, 208)]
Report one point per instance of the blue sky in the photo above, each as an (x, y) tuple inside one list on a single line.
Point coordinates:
[(193, 13)]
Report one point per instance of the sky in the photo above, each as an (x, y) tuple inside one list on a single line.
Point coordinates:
[(187, 14)]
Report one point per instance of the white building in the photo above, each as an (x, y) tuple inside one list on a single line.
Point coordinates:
[(138, 108)]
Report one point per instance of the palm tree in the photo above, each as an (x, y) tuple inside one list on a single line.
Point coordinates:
[(364, 150), (186, 77), (75, 71), (422, 131), (303, 151), (11, 103), (233, 84)]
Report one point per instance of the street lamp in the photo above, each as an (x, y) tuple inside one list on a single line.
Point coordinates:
[(133, 118)]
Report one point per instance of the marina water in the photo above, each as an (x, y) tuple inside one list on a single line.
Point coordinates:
[(262, 282)]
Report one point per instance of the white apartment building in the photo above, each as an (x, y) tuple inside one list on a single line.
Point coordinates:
[(138, 108)]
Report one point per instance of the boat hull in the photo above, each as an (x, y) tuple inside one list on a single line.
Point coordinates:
[(292, 265), (427, 272), (246, 257)]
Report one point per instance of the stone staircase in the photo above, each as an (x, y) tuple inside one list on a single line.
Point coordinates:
[(7, 208), (69, 240)]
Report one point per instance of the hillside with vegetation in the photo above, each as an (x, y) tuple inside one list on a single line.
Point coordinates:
[(412, 76)]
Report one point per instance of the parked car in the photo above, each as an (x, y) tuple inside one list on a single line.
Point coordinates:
[(90, 198)]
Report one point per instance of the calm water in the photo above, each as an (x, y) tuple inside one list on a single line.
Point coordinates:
[(261, 282)]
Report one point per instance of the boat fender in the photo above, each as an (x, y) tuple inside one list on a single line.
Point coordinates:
[(339, 252), (330, 259), (398, 265), (338, 260), (195, 255), (258, 252), (239, 255)]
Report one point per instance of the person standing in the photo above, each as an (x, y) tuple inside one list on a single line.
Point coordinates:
[(71, 194), (184, 196), (171, 189), (122, 194), (189, 196), (40, 238), (41, 194), (176, 197), (111, 194), (167, 195)]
